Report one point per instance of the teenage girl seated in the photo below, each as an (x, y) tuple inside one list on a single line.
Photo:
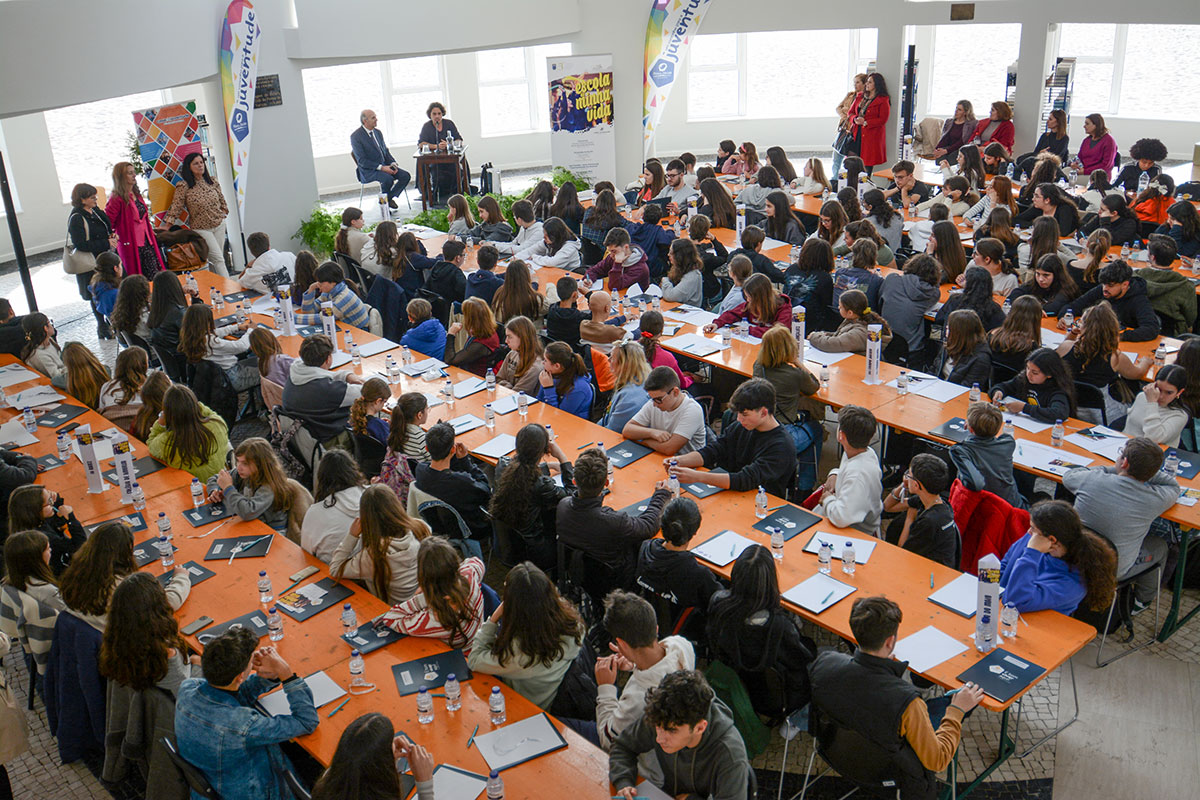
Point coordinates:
[(564, 381), (258, 488), (366, 411), (1043, 390)]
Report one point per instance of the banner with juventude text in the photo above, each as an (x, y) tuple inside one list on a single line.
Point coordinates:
[(582, 138), (239, 69), (672, 25)]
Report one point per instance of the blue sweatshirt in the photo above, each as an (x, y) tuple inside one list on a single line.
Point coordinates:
[(649, 237), (1036, 581), (428, 338), (578, 401), (483, 284), (105, 295), (625, 403)]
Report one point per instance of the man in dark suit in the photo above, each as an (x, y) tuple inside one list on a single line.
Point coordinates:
[(375, 162)]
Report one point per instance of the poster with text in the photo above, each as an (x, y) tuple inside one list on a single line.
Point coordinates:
[(165, 136), (581, 116)]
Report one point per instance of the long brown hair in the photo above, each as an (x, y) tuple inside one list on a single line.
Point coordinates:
[(265, 347), (964, 332), (341, 243), (1043, 238), (408, 407), (657, 178), (560, 353), (516, 297), (1096, 248), (762, 301), (374, 389), (25, 506), (628, 362), (1087, 553), (999, 225), (478, 321), (446, 591), (536, 619), (85, 374), (1004, 194), (750, 156), (724, 213), (154, 391), (837, 222), (268, 472), (530, 349), (130, 372), (24, 559), (194, 331), (381, 519), (104, 558), (118, 178), (684, 258), (133, 299), (458, 204), (948, 250), (1099, 335), (192, 443), (650, 328), (140, 633), (34, 327), (513, 502), (855, 301), (1021, 331), (778, 348)]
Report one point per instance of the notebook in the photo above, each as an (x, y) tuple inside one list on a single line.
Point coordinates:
[(147, 551), (254, 545), (1002, 675), (954, 429), (722, 549), (376, 347), (500, 445), (625, 453), (863, 547), (508, 404), (634, 509), (371, 636), (135, 521), (518, 742), (196, 573), (255, 622), (927, 648), (313, 598), (818, 593), (48, 462), (469, 386), (59, 415), (209, 512), (430, 671), (960, 595), (467, 422), (141, 468), (791, 519), (324, 691)]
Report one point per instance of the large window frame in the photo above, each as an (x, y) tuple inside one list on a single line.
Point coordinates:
[(393, 97), (534, 59), (1116, 59)]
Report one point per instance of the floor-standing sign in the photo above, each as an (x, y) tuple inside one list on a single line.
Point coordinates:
[(581, 116)]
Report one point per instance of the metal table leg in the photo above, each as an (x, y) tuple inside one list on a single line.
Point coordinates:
[(1174, 622), (1006, 749)]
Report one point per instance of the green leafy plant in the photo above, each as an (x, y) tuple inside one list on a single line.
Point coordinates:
[(436, 218), (563, 175), (319, 231)]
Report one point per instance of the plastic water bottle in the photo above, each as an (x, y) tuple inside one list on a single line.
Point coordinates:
[(274, 624), (139, 497), (760, 503), (1143, 182), (218, 301), (166, 551), (974, 395), (496, 710), (490, 380), (265, 595), (1006, 307), (424, 706), (355, 353), (495, 786), (985, 641), (1068, 319), (356, 669), (824, 377), (190, 282), (777, 543), (349, 621), (164, 525), (448, 391), (902, 382), (522, 405), (1056, 434), (489, 417), (278, 315), (550, 432), (406, 355), (197, 493), (393, 370), (612, 475), (824, 556), (1125, 250), (848, 563), (1008, 620), (672, 480), (1171, 463), (453, 693), (1160, 357), (64, 447), (239, 314), (726, 336), (825, 196), (1009, 170), (29, 420), (212, 296), (1009, 428)]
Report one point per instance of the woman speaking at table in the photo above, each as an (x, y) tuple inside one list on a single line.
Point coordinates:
[(868, 116), (438, 133)]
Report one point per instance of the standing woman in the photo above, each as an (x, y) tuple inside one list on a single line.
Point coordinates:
[(436, 132), (563, 381), (998, 127), (869, 116), (200, 195), (130, 215), (844, 120), (91, 233), (1099, 149)]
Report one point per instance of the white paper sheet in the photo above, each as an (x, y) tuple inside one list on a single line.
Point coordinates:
[(451, 783), (324, 691), (649, 791), (501, 445), (771, 244), (747, 338), (467, 422), (1053, 339), (378, 346), (1109, 447), (696, 345), (1047, 459), (821, 357), (1026, 423), (101, 446), (653, 290), (690, 315), (927, 648), (422, 232), (818, 592), (669, 328), (14, 432), (939, 390), (517, 742), (15, 373), (508, 404), (34, 397), (264, 305), (960, 594), (862, 547), (338, 359), (723, 548)]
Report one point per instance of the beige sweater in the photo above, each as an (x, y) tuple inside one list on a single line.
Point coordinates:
[(850, 337)]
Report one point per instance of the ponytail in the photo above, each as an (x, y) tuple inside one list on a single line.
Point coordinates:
[(408, 408), (561, 354), (374, 389), (649, 329)]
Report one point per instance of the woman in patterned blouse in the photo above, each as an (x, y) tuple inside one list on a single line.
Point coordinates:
[(201, 196)]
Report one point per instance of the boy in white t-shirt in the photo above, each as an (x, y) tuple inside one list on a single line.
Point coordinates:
[(671, 422)]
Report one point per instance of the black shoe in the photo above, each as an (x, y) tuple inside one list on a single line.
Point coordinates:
[(392, 204), (104, 330)]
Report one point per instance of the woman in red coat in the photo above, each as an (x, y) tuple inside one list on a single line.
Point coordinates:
[(998, 127), (870, 114), (130, 216)]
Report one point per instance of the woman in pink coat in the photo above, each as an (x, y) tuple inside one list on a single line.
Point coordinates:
[(130, 216), (869, 116), (998, 127), (1099, 148)]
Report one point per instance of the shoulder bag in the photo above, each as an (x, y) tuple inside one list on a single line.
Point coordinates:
[(76, 261)]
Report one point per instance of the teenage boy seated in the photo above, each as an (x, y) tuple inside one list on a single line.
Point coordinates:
[(267, 261), (624, 263), (1126, 293), (755, 452), (740, 268), (867, 693), (853, 491), (319, 397), (905, 190), (453, 477), (563, 318), (330, 286), (425, 334), (671, 421), (219, 731), (651, 236), (529, 232), (675, 191), (446, 277), (1121, 502), (607, 535), (601, 330), (752, 241), (484, 282), (918, 237), (984, 459), (927, 525), (690, 733), (1172, 295)]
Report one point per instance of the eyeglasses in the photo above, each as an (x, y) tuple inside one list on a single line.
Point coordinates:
[(658, 401), (674, 174)]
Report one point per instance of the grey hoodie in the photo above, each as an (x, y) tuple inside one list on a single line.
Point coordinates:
[(716, 768), (905, 299), (987, 465)]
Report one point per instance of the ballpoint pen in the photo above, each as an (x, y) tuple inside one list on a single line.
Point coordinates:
[(826, 600)]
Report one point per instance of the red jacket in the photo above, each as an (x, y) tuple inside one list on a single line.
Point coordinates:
[(782, 317), (872, 147), (1005, 134), (987, 523)]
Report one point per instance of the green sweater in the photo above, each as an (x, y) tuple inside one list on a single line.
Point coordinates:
[(537, 682), (160, 444), (1172, 295)]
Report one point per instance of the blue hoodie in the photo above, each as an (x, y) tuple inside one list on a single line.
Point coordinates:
[(650, 237), (1036, 581), (428, 338), (483, 284)]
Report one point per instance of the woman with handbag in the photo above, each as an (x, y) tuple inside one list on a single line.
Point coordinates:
[(130, 214), (89, 233), (200, 195), (14, 738), (869, 116), (843, 143)]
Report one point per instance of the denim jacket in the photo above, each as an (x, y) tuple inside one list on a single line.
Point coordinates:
[(235, 745)]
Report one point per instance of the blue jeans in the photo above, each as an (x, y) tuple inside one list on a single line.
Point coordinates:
[(838, 158), (584, 727), (806, 436)]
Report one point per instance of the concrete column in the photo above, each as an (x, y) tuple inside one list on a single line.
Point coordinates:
[(1034, 61)]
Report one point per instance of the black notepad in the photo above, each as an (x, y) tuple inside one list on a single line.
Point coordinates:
[(196, 573), (228, 319), (141, 468), (255, 622), (1002, 675), (209, 512), (308, 330), (147, 551), (430, 671), (1192, 462), (792, 519), (703, 490), (625, 453), (237, 297), (371, 636), (223, 548), (335, 594), (953, 429), (135, 521), (637, 508), (48, 462), (59, 414)]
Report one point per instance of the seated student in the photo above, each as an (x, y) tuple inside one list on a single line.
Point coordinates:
[(319, 397), (906, 297), (1043, 390), (668, 568), (1171, 293), (85, 374), (1091, 354), (945, 245), (259, 489), (808, 283), (492, 225), (220, 731), (521, 365), (779, 362), (905, 190), (563, 319), (540, 637), (781, 222), (851, 336), (330, 286), (448, 605), (608, 536), (1182, 225), (955, 195), (339, 489), (601, 331), (1126, 293), (141, 645), (563, 381), (1143, 155), (154, 391), (996, 160), (861, 274), (852, 494), (1058, 565), (1050, 201), (526, 498), (400, 257), (1158, 413), (865, 229), (970, 167), (405, 445), (529, 231), (716, 204), (689, 732), (984, 459), (41, 350), (484, 282), (689, 169), (12, 335), (922, 232), (559, 247), (267, 262), (989, 254), (201, 340), (129, 373), (454, 478), (847, 197), (106, 279), (888, 224), (1098, 187), (34, 507), (752, 241), (764, 308), (651, 236), (629, 367), (518, 296), (1051, 284), (602, 218), (1085, 270), (1115, 216), (381, 546), (567, 209), (966, 358), (758, 451), (478, 355), (367, 754), (813, 179), (926, 526), (16, 470), (273, 363), (866, 692), (425, 335), (168, 302), (675, 190), (758, 185), (649, 336), (999, 194), (684, 281), (29, 597), (446, 277), (624, 264), (189, 435), (671, 422), (351, 238), (458, 214), (977, 296), (740, 269), (366, 412)]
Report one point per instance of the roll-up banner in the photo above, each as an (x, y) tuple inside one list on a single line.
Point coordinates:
[(165, 136), (239, 69), (672, 25), (581, 116)]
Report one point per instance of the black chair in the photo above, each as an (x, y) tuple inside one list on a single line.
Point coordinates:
[(173, 363), (369, 453), (577, 569), (589, 252), (212, 387), (298, 788), (195, 779), (1122, 607), (441, 306), (133, 340), (1090, 396), (1002, 373), (355, 271)]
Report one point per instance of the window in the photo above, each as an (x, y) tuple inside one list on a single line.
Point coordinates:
[(971, 61), (86, 140), (512, 88), (410, 85), (775, 73)]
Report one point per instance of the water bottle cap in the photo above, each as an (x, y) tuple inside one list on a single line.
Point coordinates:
[(162, 538), (354, 654), (271, 610), (495, 690), (493, 774), (346, 607), (262, 573), (422, 690), (451, 677)]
